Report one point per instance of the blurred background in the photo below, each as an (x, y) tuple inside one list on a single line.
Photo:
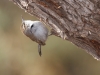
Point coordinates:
[(19, 55)]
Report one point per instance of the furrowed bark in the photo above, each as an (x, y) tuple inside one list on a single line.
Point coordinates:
[(77, 21)]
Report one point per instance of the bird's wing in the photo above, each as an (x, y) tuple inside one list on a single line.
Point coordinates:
[(36, 36)]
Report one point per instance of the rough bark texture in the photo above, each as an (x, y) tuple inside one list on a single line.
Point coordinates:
[(75, 20)]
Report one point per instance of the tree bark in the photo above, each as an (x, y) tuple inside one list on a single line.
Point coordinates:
[(77, 21)]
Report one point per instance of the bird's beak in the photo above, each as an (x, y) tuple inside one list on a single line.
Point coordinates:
[(22, 18), (23, 24)]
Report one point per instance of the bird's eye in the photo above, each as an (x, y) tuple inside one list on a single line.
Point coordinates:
[(32, 25)]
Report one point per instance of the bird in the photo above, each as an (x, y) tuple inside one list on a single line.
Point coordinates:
[(36, 31)]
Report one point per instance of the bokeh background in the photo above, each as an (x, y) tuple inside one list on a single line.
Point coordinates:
[(19, 55)]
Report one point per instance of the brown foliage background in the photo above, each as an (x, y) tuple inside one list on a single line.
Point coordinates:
[(19, 56)]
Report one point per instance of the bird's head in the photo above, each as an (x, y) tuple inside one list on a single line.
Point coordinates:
[(26, 24)]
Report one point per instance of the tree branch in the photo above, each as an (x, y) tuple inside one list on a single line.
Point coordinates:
[(75, 20)]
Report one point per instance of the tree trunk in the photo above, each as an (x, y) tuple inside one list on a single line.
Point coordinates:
[(75, 20)]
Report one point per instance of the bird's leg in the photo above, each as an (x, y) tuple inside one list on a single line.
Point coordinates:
[(39, 49), (52, 32), (49, 34)]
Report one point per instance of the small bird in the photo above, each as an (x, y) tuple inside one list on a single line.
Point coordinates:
[(36, 31)]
